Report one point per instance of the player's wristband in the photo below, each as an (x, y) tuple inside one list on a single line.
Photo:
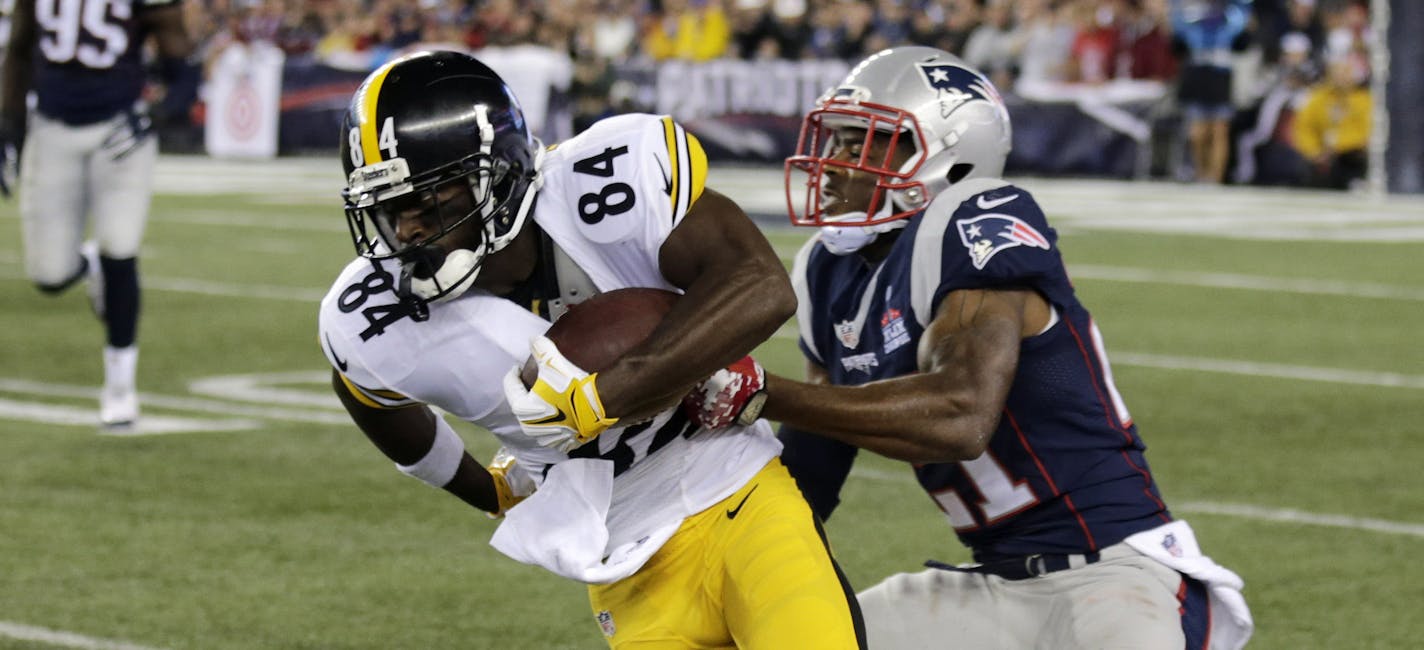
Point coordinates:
[(437, 468)]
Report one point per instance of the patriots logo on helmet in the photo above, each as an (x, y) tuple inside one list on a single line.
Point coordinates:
[(956, 85), (984, 236)]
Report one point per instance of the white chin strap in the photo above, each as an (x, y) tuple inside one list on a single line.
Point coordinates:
[(451, 280), (844, 240)]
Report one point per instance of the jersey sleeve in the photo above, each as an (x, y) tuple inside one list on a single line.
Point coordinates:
[(345, 353), (613, 194), (982, 234), (805, 315)]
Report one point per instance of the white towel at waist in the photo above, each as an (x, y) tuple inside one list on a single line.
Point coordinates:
[(1175, 545), (562, 526)]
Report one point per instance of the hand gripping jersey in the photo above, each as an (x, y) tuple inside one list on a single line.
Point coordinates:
[(610, 198), (1064, 472), (90, 65)]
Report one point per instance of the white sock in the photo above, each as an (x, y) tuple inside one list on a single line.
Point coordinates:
[(120, 366)]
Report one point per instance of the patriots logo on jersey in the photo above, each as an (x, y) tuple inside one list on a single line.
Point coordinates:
[(984, 236), (956, 85)]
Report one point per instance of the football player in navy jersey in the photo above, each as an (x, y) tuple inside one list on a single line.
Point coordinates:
[(86, 154), (940, 328)]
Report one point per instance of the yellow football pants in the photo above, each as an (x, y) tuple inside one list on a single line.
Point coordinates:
[(752, 571)]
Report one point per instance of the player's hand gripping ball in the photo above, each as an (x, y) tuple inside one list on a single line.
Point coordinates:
[(555, 396)]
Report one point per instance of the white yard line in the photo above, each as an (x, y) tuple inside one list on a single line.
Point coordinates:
[(1246, 282), (1290, 515), (63, 639), (315, 411), (1276, 370)]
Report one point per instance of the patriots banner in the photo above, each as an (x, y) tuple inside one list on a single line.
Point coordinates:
[(984, 236)]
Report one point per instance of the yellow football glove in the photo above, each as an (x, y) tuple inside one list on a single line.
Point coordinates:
[(562, 410), (511, 485)]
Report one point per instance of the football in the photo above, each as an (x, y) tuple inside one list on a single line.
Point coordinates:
[(596, 332)]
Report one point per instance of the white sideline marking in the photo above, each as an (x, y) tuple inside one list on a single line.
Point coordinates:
[(1278, 370), (1242, 510), (267, 388), (148, 425), (1249, 282), (323, 411), (64, 639), (1290, 515)]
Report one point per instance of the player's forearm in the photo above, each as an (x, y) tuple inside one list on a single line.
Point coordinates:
[(914, 418), (18, 66), (720, 319), (474, 485), (424, 447)]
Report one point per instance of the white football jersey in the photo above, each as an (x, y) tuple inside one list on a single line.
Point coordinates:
[(610, 198)]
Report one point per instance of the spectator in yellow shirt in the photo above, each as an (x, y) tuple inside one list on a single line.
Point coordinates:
[(1332, 129), (689, 30)]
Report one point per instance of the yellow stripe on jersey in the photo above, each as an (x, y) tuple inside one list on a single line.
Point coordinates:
[(370, 92), (689, 166), (370, 397), (670, 141), (697, 163)]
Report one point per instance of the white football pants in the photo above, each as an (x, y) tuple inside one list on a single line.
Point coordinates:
[(1126, 601), (67, 178)]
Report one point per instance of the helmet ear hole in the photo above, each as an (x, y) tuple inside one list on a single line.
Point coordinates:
[(958, 171)]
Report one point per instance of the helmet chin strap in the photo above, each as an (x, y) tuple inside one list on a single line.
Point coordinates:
[(844, 240), (454, 277)]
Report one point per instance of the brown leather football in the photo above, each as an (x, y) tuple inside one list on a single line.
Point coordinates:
[(596, 332)]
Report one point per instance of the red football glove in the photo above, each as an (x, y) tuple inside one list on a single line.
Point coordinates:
[(732, 395)]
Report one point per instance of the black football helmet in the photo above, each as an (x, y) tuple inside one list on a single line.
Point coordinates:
[(440, 135)]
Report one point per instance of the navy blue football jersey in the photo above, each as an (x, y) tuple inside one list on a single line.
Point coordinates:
[(1064, 472), (90, 63)]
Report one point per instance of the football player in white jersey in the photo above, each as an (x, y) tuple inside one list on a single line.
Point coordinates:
[(472, 237), (89, 155)]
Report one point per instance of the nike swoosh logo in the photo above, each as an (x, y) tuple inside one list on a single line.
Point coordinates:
[(340, 363), (667, 181), (732, 514), (990, 205)]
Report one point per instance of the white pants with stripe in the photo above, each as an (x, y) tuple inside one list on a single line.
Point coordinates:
[(1124, 601), (69, 180)]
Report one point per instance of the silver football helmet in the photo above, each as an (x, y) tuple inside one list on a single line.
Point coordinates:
[(948, 111)]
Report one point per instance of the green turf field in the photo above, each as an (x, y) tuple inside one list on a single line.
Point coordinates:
[(1279, 384)]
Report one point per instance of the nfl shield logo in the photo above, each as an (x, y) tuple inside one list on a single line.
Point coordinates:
[(1169, 543), (605, 622), (848, 333)]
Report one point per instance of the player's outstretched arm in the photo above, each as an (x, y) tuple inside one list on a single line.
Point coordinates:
[(181, 76), (15, 79), (423, 445), (947, 411), (736, 294)]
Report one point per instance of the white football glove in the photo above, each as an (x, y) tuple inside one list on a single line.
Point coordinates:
[(562, 410)]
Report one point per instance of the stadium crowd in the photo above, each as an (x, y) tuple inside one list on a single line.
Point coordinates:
[(1298, 109)]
